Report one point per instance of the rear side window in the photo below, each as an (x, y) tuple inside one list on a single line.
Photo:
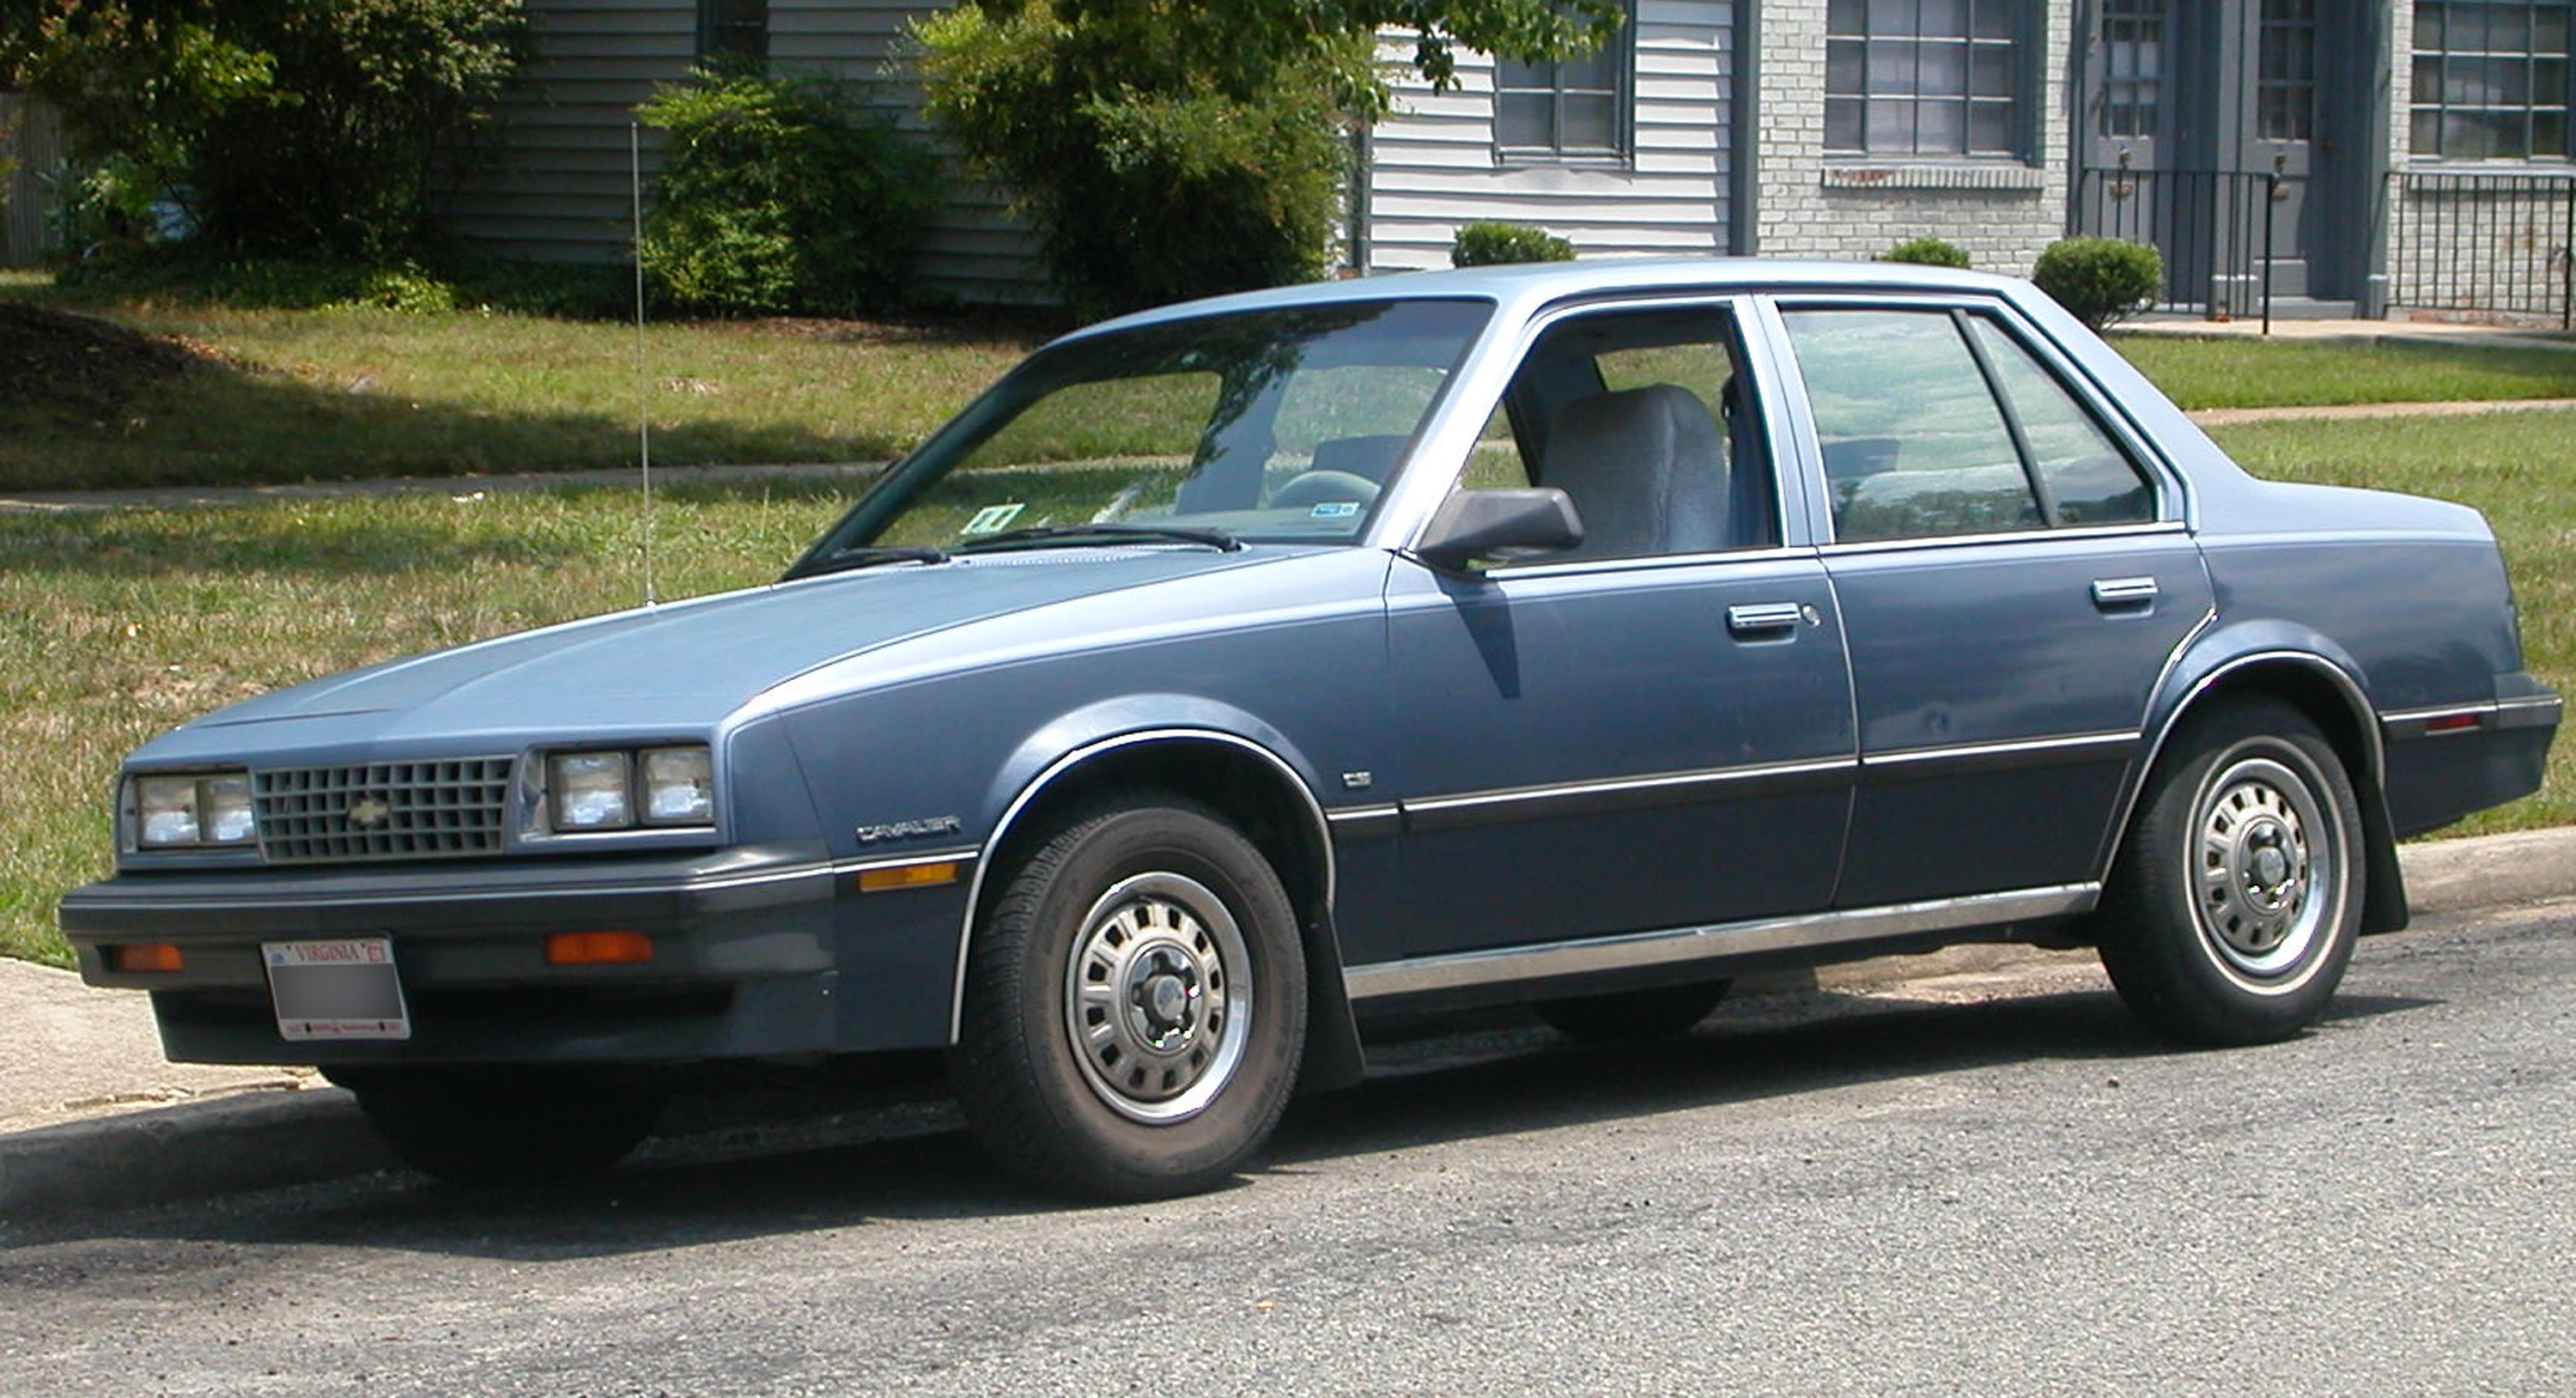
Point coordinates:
[(1937, 422), (2088, 478)]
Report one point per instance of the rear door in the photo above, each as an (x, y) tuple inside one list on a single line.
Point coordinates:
[(2013, 572)]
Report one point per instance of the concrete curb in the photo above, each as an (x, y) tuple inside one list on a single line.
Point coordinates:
[(240, 1144)]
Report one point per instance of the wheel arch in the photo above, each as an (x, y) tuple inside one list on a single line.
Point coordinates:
[(1264, 793), (2312, 675)]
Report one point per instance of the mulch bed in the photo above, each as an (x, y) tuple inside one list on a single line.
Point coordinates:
[(52, 358)]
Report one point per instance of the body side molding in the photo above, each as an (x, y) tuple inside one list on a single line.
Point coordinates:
[(1714, 945)]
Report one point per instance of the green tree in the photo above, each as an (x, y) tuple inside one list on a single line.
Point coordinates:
[(1164, 149)]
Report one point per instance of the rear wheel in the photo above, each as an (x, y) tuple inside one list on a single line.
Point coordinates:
[(501, 1126), (2234, 908), (1629, 1016), (1136, 1005)]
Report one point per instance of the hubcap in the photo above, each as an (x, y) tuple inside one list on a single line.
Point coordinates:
[(1155, 1002), (2264, 853)]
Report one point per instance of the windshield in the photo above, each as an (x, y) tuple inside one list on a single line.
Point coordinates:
[(1268, 426)]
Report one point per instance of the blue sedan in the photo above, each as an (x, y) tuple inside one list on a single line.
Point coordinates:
[(1574, 635)]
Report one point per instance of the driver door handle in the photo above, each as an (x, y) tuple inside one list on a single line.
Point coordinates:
[(1764, 618)]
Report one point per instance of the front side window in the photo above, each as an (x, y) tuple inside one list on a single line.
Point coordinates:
[(1278, 426), (1926, 77), (2492, 79), (1574, 109), (1936, 422), (1645, 420)]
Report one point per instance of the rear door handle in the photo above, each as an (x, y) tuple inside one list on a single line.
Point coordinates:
[(1763, 618), (2123, 592)]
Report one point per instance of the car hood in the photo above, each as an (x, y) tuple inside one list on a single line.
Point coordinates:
[(674, 669)]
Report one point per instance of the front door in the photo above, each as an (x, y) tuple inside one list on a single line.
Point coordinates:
[(1653, 730), (2187, 108)]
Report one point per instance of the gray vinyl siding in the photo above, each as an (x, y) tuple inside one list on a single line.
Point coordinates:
[(972, 247), (557, 188), (1433, 164)]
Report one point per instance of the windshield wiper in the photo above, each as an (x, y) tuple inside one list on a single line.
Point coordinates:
[(1075, 533), (842, 560)]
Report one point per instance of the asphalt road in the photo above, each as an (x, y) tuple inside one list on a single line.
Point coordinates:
[(1996, 1187)]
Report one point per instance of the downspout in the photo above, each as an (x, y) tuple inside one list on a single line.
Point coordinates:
[(1355, 211), (1744, 171)]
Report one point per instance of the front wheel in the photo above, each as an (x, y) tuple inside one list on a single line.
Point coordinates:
[(1135, 1005), (2234, 908)]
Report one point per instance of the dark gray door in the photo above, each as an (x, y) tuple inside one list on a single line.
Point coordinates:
[(2186, 108)]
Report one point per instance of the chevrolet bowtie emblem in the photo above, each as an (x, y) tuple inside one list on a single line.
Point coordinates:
[(367, 812)]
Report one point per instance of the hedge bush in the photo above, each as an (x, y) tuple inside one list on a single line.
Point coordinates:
[(2099, 280), (1143, 180), (1928, 252), (782, 194), (1490, 242)]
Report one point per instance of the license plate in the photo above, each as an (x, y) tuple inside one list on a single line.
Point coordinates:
[(336, 990)]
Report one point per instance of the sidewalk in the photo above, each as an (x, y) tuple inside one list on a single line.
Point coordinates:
[(2373, 332), (92, 1118)]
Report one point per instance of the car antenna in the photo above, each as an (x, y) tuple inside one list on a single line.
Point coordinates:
[(643, 381)]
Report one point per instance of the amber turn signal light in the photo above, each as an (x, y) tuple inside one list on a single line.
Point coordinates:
[(908, 876), (145, 956), (598, 949)]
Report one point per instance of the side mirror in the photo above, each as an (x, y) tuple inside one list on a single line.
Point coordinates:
[(1474, 525)]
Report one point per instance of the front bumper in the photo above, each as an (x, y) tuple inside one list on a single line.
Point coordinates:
[(743, 964)]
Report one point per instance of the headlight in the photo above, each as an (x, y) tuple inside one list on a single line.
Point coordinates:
[(195, 811), (591, 791), (679, 786), (620, 790)]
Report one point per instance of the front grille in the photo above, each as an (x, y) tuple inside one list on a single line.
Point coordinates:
[(405, 810)]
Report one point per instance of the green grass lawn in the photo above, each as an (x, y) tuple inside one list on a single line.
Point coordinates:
[(349, 394), (2240, 372)]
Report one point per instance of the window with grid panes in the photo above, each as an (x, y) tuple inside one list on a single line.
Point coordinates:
[(1925, 77), (2133, 37), (1575, 109), (2491, 79), (733, 28)]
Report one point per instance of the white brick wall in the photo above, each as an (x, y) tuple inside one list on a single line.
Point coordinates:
[(2001, 212)]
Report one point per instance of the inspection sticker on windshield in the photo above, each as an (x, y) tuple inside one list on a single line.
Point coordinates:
[(336, 990), (992, 519), (1334, 509)]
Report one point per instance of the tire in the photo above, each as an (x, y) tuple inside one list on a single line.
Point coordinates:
[(484, 1127), (2232, 911), (1633, 1016), (1135, 1005)]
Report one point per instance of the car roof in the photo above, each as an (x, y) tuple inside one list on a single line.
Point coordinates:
[(1522, 287)]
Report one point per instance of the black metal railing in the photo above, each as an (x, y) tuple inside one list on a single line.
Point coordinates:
[(2212, 227), (2482, 243)]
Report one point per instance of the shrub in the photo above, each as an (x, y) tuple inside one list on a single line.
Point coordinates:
[(187, 272), (1927, 251), (319, 128), (2099, 280), (1144, 181), (781, 194), (1486, 244)]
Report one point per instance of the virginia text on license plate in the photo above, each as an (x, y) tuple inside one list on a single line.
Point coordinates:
[(336, 990)]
